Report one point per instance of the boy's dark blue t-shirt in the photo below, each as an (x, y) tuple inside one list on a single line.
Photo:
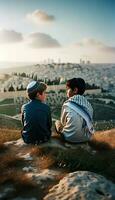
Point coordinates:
[(37, 122)]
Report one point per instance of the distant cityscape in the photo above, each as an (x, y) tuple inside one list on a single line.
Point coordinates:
[(100, 88), (96, 75)]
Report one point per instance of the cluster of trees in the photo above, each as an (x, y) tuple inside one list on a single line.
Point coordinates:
[(56, 81), (48, 82), (34, 76), (20, 74), (93, 86), (11, 88)]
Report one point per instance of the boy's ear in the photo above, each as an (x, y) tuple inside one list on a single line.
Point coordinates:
[(75, 91), (38, 94)]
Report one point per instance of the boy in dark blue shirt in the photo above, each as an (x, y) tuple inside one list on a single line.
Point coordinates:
[(36, 115)]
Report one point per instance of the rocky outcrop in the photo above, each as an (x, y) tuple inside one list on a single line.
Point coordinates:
[(52, 181), (82, 185), (55, 143)]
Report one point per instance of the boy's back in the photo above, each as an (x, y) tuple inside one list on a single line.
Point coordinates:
[(36, 119), (77, 114)]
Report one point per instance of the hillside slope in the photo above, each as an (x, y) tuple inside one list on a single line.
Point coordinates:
[(9, 122)]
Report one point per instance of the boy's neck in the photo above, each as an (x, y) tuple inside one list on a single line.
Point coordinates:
[(38, 99)]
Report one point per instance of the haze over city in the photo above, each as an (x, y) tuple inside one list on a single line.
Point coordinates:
[(34, 31)]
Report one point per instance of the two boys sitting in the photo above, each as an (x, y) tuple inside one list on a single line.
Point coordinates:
[(75, 124)]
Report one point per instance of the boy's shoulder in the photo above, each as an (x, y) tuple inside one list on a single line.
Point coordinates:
[(41, 105), (25, 105), (46, 106)]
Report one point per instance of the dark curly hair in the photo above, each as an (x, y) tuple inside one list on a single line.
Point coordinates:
[(78, 83)]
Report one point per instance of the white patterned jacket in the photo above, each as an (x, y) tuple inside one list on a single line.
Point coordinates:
[(75, 126)]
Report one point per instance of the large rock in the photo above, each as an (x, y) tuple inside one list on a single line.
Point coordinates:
[(82, 185), (53, 143), (43, 177)]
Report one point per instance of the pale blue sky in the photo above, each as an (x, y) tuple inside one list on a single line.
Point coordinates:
[(74, 20)]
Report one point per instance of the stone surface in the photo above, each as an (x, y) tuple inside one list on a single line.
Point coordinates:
[(21, 198), (44, 176), (54, 143), (10, 143), (26, 157), (29, 169), (82, 185), (20, 143), (6, 192)]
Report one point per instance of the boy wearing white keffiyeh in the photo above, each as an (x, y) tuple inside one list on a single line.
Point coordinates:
[(76, 125)]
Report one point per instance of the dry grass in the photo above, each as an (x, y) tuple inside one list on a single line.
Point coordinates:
[(11, 168), (102, 162), (72, 160), (11, 174), (104, 140), (3, 148), (9, 162), (9, 135), (23, 185), (44, 161), (11, 165)]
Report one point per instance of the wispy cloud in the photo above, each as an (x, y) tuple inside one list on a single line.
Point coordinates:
[(40, 17), (109, 49), (96, 45), (10, 36), (89, 42), (42, 40)]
